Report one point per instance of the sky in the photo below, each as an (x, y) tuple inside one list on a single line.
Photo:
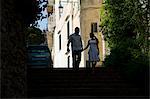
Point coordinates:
[(44, 23)]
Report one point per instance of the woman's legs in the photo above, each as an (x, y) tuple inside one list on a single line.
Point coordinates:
[(94, 64)]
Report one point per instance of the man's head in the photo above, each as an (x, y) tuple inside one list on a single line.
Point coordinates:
[(77, 30)]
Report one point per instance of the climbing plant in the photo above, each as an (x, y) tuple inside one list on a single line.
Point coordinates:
[(125, 19)]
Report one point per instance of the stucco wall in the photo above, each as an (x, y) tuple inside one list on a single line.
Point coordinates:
[(90, 12), (70, 13)]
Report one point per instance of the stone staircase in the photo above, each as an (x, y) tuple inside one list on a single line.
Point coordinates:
[(43, 82)]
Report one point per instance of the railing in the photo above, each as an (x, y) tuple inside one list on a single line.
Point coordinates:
[(39, 57)]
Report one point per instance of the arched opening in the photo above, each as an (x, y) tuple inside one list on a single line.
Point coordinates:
[(125, 66)]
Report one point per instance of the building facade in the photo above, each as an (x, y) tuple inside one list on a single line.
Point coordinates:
[(67, 17), (68, 14), (90, 19), (51, 23)]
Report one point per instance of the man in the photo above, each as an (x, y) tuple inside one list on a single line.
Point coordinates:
[(76, 46)]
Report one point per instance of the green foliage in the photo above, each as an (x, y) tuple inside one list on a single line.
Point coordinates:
[(124, 19), (34, 36), (125, 28)]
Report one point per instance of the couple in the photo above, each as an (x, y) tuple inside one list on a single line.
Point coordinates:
[(77, 48)]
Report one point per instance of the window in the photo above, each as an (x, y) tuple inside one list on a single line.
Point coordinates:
[(93, 27), (60, 42), (68, 29), (68, 61)]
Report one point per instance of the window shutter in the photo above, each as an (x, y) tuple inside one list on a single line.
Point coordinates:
[(93, 27)]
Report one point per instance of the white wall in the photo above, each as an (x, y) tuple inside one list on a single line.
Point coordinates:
[(60, 59), (76, 23)]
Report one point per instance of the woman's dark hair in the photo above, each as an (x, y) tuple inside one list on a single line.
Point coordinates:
[(92, 34)]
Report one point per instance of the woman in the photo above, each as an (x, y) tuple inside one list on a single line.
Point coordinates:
[(93, 50)]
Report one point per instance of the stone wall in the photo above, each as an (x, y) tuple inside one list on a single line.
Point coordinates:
[(13, 52)]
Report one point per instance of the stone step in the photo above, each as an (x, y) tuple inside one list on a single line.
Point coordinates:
[(69, 75), (72, 73), (89, 85), (101, 81), (77, 81), (67, 70), (85, 91), (82, 74), (74, 78)]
